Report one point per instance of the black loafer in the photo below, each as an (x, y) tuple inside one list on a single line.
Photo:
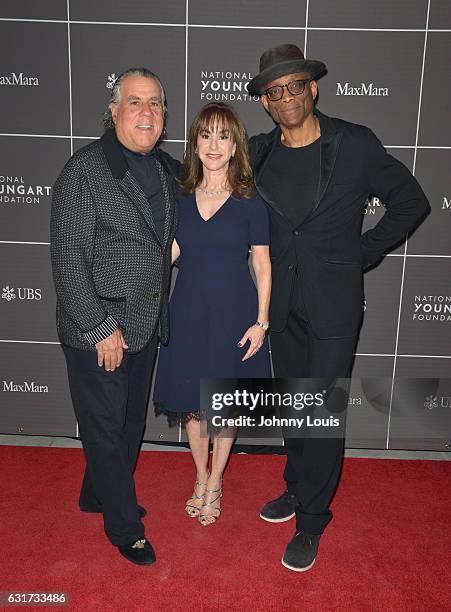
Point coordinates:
[(139, 552), (279, 510), (300, 553), (142, 511)]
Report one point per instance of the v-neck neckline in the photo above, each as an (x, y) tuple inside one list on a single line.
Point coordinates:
[(212, 216)]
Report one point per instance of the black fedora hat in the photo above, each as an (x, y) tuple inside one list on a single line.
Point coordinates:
[(281, 60)]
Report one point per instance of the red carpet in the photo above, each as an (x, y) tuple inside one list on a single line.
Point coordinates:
[(388, 547)]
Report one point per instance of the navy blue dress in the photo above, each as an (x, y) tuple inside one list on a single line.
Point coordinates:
[(213, 303)]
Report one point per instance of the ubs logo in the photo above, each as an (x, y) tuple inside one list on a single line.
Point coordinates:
[(363, 89), (14, 79), (23, 293), (111, 80), (435, 401)]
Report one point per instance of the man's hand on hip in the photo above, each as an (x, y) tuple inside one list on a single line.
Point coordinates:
[(110, 351)]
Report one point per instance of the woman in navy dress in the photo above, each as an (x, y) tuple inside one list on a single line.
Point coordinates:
[(218, 317)]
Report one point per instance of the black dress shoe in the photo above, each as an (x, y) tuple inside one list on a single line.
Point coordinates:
[(300, 553), (279, 510), (141, 511), (139, 552)]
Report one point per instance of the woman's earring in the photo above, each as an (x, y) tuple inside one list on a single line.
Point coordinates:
[(196, 152)]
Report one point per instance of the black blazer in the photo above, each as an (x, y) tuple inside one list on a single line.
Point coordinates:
[(109, 266), (327, 253)]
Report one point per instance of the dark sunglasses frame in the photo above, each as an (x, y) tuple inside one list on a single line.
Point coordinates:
[(287, 85)]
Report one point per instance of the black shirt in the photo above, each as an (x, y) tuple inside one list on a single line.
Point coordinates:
[(291, 177), (144, 169)]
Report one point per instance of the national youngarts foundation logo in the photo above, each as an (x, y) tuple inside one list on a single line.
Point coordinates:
[(428, 308), (373, 207), (225, 86), (18, 190)]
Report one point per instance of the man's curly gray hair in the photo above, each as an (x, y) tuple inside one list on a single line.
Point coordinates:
[(115, 97)]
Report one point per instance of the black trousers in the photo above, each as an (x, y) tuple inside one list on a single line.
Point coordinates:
[(111, 412), (313, 464)]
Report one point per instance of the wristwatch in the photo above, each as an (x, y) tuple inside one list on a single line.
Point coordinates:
[(264, 326)]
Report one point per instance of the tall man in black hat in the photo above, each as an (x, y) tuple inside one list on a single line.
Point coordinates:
[(316, 174)]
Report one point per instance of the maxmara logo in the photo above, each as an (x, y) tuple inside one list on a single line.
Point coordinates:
[(24, 387), (19, 79), (363, 89), (16, 190), (354, 401), (432, 308), (446, 203), (22, 293), (225, 86)]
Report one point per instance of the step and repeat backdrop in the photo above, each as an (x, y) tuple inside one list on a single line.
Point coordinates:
[(387, 68)]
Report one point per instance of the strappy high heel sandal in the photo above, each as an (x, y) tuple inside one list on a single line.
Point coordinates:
[(191, 509), (209, 519)]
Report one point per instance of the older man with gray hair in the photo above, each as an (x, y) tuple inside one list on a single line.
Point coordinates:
[(112, 226)]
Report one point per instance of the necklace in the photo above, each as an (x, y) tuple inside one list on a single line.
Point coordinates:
[(212, 194)]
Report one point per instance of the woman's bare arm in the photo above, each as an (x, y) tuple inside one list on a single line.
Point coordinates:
[(175, 251)]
